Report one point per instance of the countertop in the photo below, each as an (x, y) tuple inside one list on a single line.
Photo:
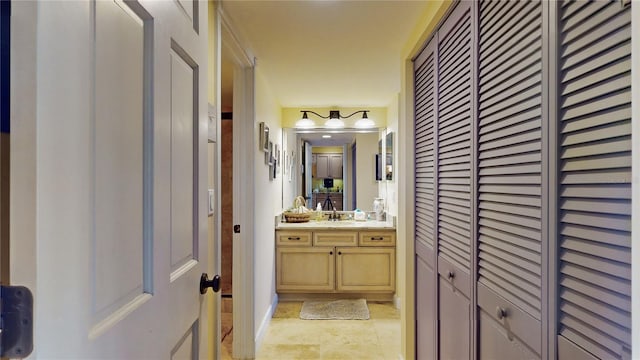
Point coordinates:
[(344, 224)]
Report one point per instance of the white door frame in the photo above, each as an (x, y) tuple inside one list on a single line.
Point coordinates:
[(244, 343)]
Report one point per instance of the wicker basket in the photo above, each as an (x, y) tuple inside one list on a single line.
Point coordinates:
[(296, 218)]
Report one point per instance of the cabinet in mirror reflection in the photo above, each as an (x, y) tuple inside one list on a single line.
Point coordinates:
[(348, 158)]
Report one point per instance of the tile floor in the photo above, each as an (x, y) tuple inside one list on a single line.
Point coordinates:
[(289, 337)]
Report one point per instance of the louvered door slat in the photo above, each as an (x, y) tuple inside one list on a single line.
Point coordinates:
[(510, 156), (595, 165), (425, 100), (454, 151)]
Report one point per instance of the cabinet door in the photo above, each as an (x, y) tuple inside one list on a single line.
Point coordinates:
[(314, 166), (366, 269), (322, 166), (335, 166), (305, 269), (594, 256), (337, 201)]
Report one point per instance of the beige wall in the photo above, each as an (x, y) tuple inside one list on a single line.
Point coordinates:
[(366, 185), (268, 201)]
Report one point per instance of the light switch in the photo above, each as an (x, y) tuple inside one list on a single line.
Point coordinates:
[(212, 202)]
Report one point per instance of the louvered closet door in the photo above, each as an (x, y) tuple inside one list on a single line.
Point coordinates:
[(510, 178), (594, 253), (454, 146), (454, 182), (426, 280)]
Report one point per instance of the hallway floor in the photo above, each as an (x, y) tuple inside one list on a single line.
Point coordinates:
[(289, 337)]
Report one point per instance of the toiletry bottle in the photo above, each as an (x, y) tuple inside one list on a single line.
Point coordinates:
[(319, 212)]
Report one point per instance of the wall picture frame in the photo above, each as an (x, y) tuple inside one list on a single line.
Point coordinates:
[(268, 155), (264, 137)]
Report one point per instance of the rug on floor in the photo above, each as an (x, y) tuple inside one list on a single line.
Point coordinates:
[(335, 310)]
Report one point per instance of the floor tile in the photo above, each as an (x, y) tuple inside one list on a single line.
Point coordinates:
[(370, 351), (289, 337), (288, 351)]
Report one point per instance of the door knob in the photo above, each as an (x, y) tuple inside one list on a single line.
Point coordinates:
[(501, 313), (205, 283)]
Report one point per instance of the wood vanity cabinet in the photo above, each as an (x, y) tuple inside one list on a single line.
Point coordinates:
[(335, 261)]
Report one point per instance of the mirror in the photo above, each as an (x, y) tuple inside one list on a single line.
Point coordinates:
[(340, 168), (389, 156), (384, 169)]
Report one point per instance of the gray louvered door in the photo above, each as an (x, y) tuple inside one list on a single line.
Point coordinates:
[(594, 254), (425, 241), (510, 170), (454, 140), (454, 196)]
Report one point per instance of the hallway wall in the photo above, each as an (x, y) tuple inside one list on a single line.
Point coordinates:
[(268, 200)]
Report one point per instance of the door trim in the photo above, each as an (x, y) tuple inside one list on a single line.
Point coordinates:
[(244, 344)]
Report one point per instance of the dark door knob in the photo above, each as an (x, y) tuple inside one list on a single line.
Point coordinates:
[(205, 283)]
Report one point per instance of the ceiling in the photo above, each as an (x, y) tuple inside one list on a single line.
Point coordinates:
[(331, 53), (337, 138)]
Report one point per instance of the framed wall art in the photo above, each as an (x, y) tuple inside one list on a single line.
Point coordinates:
[(264, 137)]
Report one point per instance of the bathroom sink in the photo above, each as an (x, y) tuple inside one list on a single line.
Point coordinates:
[(335, 223)]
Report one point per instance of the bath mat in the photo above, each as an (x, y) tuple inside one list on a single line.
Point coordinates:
[(335, 310)]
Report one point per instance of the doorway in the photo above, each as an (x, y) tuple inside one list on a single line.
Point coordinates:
[(5, 46), (226, 199)]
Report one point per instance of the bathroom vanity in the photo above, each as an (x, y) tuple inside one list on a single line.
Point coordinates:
[(336, 257)]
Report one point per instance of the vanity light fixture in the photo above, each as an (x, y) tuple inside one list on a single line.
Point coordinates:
[(334, 120), (327, 136), (305, 122), (365, 122)]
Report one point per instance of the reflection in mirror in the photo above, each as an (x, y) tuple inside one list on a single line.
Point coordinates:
[(334, 168), (389, 156)]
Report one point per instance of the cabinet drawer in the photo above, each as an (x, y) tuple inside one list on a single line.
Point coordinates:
[(335, 238), (293, 238), (377, 238)]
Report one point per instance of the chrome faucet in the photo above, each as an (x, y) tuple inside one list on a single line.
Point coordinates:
[(334, 216)]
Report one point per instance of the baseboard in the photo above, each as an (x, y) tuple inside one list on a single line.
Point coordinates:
[(264, 324), (335, 296), (397, 302)]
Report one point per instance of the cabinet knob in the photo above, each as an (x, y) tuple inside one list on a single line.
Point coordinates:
[(377, 238), (501, 313), (294, 238), (330, 252), (339, 252), (451, 275)]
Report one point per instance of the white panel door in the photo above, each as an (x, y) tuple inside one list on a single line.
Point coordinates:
[(114, 181)]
